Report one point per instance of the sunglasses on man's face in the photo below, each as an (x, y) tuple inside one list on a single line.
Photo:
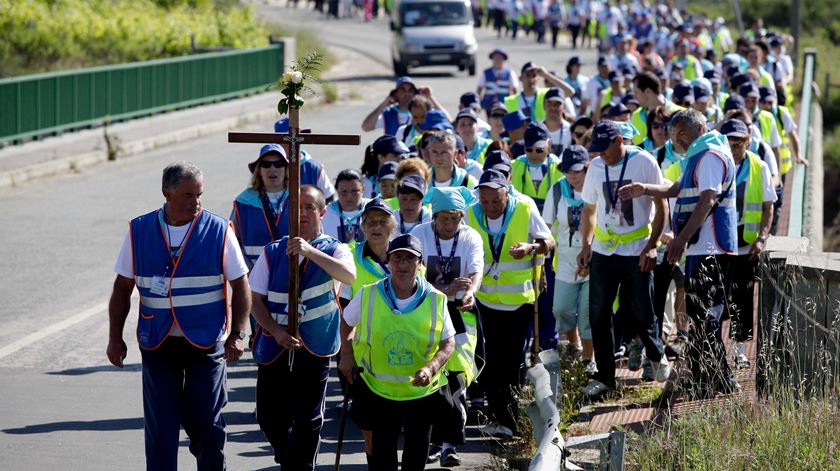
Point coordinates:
[(538, 150), (272, 163)]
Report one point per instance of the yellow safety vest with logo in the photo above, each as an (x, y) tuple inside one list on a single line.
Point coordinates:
[(537, 111), (753, 199), (639, 120), (463, 358), (391, 347), (784, 152), (364, 276), (515, 285)]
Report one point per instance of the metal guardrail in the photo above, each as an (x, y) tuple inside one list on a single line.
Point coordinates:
[(36, 105)]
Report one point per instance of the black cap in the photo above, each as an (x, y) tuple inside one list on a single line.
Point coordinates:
[(527, 66), (603, 135), (683, 92), (386, 144), (408, 243), (554, 93), (574, 158), (498, 108), (735, 128), (466, 113), (414, 183), (470, 100), (574, 60), (767, 94), (498, 160), (630, 99), (388, 170), (615, 75), (749, 90), (492, 179), (734, 102), (377, 204), (712, 75), (617, 110), (603, 61), (499, 51), (737, 80), (534, 134)]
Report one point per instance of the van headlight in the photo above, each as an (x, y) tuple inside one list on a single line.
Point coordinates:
[(470, 46), (411, 47)]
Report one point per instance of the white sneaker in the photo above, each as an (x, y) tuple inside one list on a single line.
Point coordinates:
[(496, 430), (661, 369)]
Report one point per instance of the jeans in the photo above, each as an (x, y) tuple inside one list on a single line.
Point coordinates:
[(606, 273), (184, 386), (290, 407)]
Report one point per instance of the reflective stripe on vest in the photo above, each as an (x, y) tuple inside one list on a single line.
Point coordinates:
[(512, 103), (753, 199), (196, 297), (391, 347), (514, 286), (614, 239)]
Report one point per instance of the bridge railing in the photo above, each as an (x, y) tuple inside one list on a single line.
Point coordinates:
[(42, 104)]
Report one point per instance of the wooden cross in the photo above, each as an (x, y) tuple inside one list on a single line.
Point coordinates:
[(294, 139)]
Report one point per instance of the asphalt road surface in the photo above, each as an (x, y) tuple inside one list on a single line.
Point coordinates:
[(62, 406)]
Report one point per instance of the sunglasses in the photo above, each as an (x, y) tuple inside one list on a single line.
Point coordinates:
[(497, 115), (272, 163), (656, 125), (538, 150)]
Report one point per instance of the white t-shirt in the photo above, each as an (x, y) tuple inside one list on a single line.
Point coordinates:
[(258, 278), (468, 257), (560, 219), (331, 223), (625, 61), (592, 92), (562, 136), (768, 192), (709, 175), (627, 215), (234, 263), (425, 216), (352, 315)]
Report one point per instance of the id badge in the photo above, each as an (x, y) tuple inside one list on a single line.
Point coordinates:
[(160, 285), (494, 272), (613, 219)]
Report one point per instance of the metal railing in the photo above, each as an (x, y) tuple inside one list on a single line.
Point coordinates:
[(42, 104)]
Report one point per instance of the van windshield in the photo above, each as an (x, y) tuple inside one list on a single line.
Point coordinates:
[(435, 14)]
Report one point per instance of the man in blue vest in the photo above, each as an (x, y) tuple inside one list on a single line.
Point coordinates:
[(497, 82), (393, 112), (293, 371), (181, 258), (705, 224)]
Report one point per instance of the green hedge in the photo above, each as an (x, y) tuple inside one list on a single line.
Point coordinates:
[(47, 35)]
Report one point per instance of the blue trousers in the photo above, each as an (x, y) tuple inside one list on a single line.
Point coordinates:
[(606, 273), (290, 407), (184, 386)]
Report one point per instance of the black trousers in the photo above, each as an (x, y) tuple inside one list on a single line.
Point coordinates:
[(449, 425), (606, 273), (707, 277), (744, 273), (505, 334), (290, 407)]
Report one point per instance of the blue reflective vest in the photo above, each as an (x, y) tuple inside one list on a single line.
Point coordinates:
[(391, 115), (724, 215), (252, 224), (319, 314), (196, 296), (496, 87)]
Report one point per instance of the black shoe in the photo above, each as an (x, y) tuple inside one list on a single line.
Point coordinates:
[(434, 453), (672, 351), (449, 458), (476, 416)]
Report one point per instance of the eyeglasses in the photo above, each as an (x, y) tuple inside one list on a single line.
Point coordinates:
[(272, 163), (538, 150), (497, 115)]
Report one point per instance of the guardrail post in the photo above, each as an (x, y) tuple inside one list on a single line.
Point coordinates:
[(616, 450)]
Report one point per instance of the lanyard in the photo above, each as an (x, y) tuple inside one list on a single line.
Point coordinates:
[(419, 220), (445, 265), (614, 198), (496, 239), (180, 250), (351, 221)]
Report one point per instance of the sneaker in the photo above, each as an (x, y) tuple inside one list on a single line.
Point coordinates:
[(741, 361), (596, 389), (573, 350), (634, 359), (591, 368), (434, 453), (661, 369), (619, 353), (647, 370), (496, 430), (449, 458)]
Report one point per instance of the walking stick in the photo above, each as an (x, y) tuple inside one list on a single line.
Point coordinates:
[(535, 342), (342, 419)]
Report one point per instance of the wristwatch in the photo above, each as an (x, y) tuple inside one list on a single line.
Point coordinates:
[(239, 334)]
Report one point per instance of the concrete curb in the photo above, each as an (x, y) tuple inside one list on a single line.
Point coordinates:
[(78, 162)]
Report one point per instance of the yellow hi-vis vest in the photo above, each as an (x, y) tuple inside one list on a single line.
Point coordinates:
[(689, 69), (391, 347), (537, 111), (522, 181), (463, 358), (766, 121), (753, 199), (639, 121), (515, 285), (784, 152)]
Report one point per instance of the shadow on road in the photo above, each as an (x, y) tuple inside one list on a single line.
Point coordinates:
[(105, 425), (129, 367)]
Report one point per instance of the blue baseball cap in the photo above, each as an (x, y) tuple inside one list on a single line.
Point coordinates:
[(712, 75), (513, 121), (282, 126), (767, 94), (407, 243), (734, 128), (436, 120), (466, 113), (405, 79), (527, 66), (388, 171), (617, 110), (749, 90), (269, 149), (574, 158), (536, 135), (615, 76), (734, 102), (603, 134), (737, 80), (377, 204), (498, 160), (492, 179), (554, 93), (386, 144), (413, 182), (683, 92), (470, 100)]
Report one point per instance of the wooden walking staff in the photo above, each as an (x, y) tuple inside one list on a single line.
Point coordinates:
[(294, 139)]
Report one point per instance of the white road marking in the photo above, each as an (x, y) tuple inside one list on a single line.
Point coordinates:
[(52, 329)]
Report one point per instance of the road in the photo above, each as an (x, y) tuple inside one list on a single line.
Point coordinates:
[(61, 405)]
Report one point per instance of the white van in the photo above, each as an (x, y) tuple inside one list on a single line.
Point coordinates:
[(432, 32)]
